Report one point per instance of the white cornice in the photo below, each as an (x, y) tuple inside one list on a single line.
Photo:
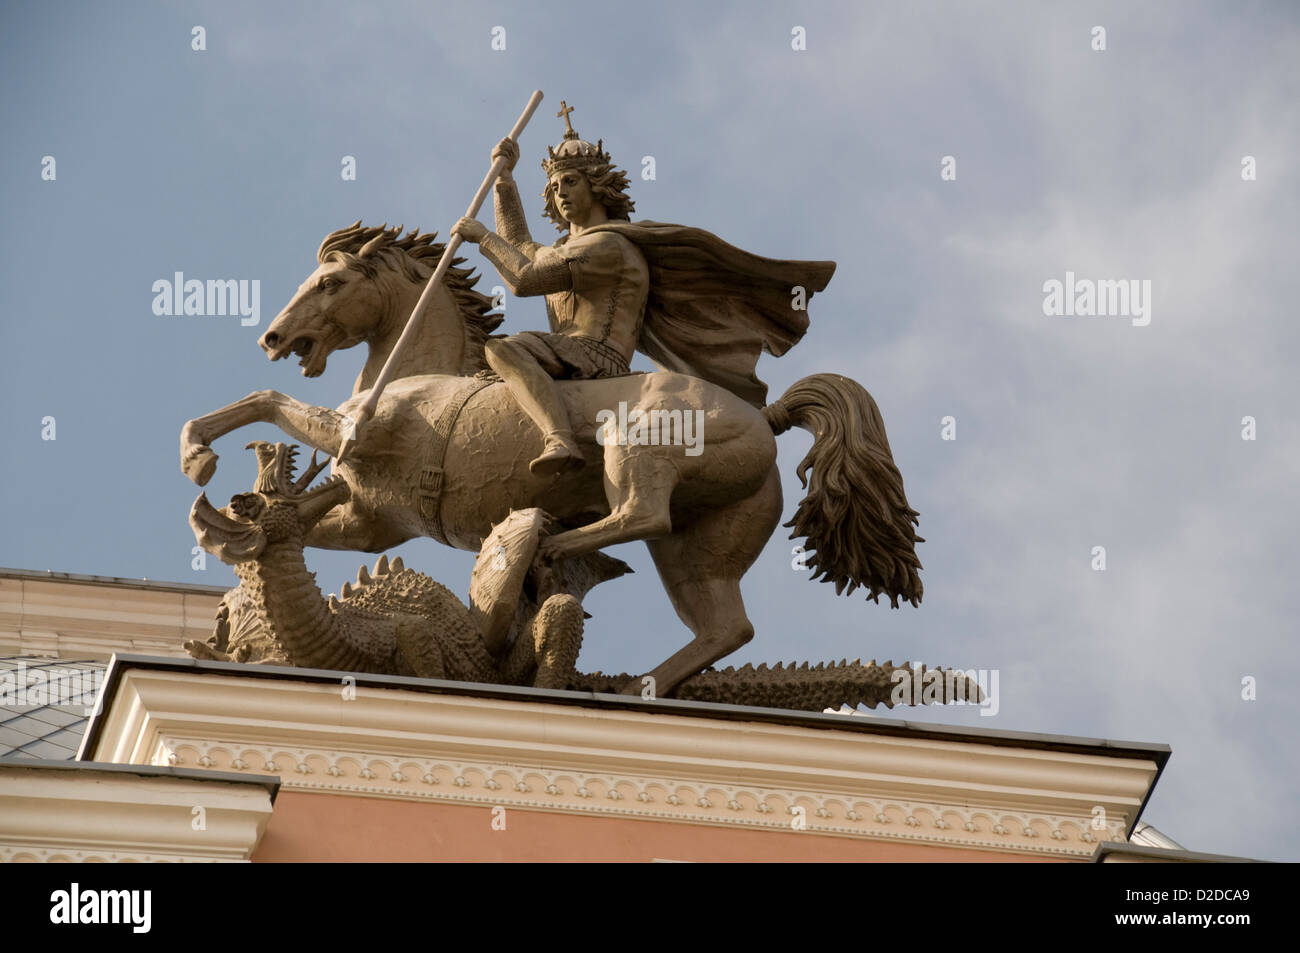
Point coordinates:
[(83, 814), (398, 743)]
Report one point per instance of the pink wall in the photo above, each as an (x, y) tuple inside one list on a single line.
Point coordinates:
[(331, 827)]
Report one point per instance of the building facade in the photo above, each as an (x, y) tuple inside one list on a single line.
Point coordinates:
[(134, 751)]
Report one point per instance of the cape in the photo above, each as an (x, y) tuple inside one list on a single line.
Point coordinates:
[(713, 308)]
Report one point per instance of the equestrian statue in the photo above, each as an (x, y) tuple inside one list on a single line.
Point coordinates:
[(451, 428)]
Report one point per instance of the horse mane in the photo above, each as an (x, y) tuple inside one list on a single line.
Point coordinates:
[(364, 247)]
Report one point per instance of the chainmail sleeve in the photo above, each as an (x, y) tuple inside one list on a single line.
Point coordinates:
[(545, 274), (511, 223)]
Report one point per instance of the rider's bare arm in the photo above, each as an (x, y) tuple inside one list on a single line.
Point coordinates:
[(545, 274)]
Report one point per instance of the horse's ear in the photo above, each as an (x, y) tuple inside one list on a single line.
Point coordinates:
[(369, 247)]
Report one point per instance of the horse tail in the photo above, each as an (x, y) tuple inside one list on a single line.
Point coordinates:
[(854, 518)]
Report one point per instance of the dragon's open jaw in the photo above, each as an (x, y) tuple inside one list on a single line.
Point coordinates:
[(277, 477), (240, 531)]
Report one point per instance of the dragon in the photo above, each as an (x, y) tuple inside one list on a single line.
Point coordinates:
[(522, 624)]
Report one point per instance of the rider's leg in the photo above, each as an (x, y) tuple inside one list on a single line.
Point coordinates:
[(639, 484), (534, 389)]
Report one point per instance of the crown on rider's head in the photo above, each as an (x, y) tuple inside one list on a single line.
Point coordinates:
[(573, 152)]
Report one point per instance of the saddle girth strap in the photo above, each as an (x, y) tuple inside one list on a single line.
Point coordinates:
[(429, 492)]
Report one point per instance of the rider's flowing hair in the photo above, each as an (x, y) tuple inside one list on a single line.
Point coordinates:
[(608, 184)]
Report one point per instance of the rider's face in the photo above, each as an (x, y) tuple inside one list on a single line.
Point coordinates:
[(573, 196)]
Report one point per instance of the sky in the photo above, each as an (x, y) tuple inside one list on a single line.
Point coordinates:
[(1067, 432)]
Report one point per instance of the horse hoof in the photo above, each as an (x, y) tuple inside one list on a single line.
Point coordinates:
[(200, 465)]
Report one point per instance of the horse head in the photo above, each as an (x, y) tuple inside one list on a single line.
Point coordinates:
[(364, 288)]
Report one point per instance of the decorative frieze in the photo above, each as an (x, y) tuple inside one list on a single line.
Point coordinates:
[(843, 778)]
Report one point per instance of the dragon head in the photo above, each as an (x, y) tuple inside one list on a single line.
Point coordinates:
[(281, 508)]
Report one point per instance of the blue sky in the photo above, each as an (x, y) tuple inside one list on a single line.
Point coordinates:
[(1072, 432)]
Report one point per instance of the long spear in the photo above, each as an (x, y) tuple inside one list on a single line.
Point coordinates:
[(367, 408)]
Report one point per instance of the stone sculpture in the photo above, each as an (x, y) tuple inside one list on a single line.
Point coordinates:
[(396, 621), (523, 624), (681, 295), (452, 449)]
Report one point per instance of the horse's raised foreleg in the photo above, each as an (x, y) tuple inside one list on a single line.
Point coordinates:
[(318, 427)]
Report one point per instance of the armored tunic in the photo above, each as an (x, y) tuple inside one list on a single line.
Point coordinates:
[(595, 323)]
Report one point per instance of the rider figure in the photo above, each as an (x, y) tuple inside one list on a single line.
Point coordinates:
[(596, 285)]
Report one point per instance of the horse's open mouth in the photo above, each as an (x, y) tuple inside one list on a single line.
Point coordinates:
[(278, 351), (313, 348), (311, 356)]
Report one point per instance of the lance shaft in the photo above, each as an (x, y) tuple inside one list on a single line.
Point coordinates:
[(367, 408)]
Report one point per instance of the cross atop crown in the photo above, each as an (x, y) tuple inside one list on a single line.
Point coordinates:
[(573, 152), (565, 109)]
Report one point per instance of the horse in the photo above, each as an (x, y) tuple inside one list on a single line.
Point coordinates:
[(446, 453)]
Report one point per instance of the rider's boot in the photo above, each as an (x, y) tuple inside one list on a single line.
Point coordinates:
[(560, 453)]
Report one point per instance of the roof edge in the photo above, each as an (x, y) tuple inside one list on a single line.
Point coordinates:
[(1168, 855), (269, 782), (119, 663), (115, 582)]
